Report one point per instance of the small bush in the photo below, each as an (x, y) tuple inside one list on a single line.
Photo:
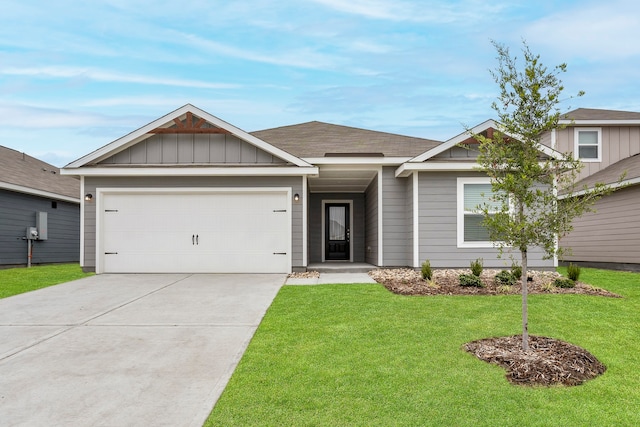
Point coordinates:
[(476, 267), (470, 280), (548, 287), (516, 271), (564, 283), (504, 289), (506, 278), (426, 270), (573, 272)]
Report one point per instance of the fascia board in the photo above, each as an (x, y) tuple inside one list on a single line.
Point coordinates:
[(598, 122), (407, 168), (385, 161), (135, 136), (191, 171), (34, 192)]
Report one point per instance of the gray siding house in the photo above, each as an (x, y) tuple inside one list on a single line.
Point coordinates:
[(608, 143), (30, 187), (192, 193)]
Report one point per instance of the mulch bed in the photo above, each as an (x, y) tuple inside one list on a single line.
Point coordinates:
[(406, 281), (549, 361)]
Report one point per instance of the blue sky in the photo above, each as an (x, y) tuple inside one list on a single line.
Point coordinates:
[(76, 75)]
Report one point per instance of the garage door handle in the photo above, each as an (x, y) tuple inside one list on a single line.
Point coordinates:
[(193, 236), (197, 240)]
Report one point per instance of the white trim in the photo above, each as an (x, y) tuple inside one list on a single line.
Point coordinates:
[(34, 192), (576, 146), (460, 212), (554, 138), (102, 191), (615, 185), (599, 122), (389, 161), (380, 220), (323, 240), (406, 169), (82, 202), (305, 230), (191, 171), (143, 132), (416, 221)]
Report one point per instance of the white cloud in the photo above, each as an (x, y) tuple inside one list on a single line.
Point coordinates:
[(596, 31), (109, 76)]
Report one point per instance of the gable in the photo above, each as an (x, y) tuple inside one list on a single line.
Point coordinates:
[(188, 135)]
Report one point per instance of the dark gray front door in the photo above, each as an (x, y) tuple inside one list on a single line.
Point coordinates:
[(337, 231)]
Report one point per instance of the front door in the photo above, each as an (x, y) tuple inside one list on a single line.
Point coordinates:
[(337, 232)]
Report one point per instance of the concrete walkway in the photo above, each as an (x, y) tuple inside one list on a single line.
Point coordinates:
[(331, 278), (126, 350)]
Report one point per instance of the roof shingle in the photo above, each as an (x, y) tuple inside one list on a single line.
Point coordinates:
[(604, 115)]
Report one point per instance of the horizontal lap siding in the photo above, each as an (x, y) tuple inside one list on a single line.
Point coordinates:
[(611, 234), (438, 227), (18, 211), (394, 217), (371, 223), (91, 183)]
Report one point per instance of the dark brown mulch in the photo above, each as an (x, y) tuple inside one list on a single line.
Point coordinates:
[(549, 361), (405, 281)]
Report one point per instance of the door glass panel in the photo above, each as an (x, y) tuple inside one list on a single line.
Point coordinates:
[(337, 222)]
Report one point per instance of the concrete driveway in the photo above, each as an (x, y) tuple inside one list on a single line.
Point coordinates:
[(125, 350)]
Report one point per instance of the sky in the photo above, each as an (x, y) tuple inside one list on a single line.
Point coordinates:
[(76, 75)]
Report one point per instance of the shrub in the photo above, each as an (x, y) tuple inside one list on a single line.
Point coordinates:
[(506, 278), (573, 272), (426, 270), (476, 267), (564, 283), (516, 271), (504, 289), (470, 280)]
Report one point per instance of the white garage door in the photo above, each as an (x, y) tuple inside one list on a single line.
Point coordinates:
[(195, 232)]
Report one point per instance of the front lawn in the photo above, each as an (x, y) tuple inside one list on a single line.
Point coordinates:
[(358, 355), (15, 281)]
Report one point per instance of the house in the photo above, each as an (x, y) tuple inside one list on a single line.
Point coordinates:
[(608, 143), (190, 192), (34, 194)]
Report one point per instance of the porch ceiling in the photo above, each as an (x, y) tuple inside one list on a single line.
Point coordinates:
[(341, 181)]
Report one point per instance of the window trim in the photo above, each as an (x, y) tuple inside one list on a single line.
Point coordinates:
[(576, 145), (460, 213)]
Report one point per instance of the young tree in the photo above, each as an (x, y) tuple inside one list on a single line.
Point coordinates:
[(523, 210)]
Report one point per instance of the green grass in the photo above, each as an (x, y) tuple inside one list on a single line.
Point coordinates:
[(15, 281), (357, 355)]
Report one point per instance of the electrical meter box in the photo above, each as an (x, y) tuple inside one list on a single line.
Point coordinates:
[(41, 225)]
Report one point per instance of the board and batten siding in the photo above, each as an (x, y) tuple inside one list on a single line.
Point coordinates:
[(192, 148), (371, 223), (18, 211), (438, 227), (394, 219), (609, 235), (169, 183), (618, 143), (317, 240)]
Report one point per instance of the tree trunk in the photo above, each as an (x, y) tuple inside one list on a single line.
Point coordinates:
[(525, 320)]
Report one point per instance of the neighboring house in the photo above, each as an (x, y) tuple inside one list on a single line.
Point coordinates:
[(608, 143), (192, 193), (29, 186)]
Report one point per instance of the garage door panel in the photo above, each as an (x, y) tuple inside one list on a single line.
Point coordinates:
[(209, 232)]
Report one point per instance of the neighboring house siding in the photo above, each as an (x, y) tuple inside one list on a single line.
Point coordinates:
[(438, 227), (316, 239), (371, 223), (394, 217), (617, 143), (91, 183), (18, 211), (609, 235), (192, 148)]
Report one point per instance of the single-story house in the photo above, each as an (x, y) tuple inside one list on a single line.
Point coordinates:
[(608, 144), (190, 192), (34, 194)]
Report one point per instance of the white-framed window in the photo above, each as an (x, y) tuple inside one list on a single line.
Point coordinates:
[(588, 144), (471, 193)]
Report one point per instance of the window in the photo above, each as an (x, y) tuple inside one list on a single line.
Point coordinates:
[(588, 144), (473, 192)]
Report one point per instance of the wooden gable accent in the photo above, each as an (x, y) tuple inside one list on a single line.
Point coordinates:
[(190, 126)]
